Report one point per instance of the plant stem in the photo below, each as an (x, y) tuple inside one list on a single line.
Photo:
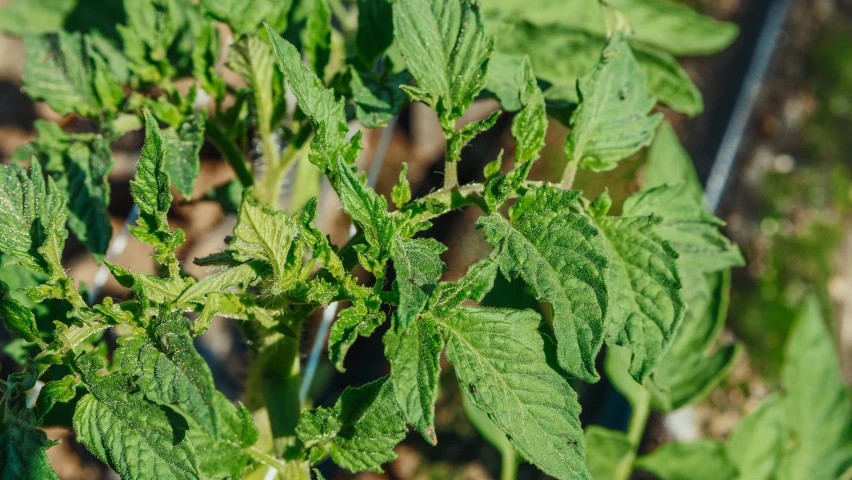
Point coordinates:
[(451, 174), (269, 189), (509, 466), (569, 174), (231, 152), (641, 405)]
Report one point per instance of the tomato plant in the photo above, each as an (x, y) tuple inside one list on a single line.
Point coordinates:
[(645, 282)]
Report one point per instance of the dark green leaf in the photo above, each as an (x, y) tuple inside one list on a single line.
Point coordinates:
[(377, 100), (137, 438), (499, 360), (375, 29), (361, 430), (182, 145), (17, 318), (414, 354), (553, 250)]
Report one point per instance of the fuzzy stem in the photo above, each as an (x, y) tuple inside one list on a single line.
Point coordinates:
[(231, 153), (641, 405), (569, 174), (269, 189)]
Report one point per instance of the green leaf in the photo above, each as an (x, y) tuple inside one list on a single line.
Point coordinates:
[(676, 28), (17, 318), (401, 192), (418, 268), (316, 42), (612, 120), (138, 439), (646, 306), (245, 16), (317, 102), (252, 59), (21, 16), (57, 391), (80, 166), (377, 100), (566, 53), (361, 429), (758, 443), (499, 360), (817, 407), (669, 164), (58, 72), (476, 283), (239, 275), (152, 194), (446, 49), (22, 444), (182, 145), (458, 140), (169, 371), (507, 79), (414, 354), (375, 29), (360, 319), (690, 368), (605, 450), (700, 460), (529, 126), (553, 250), (32, 220), (687, 225), (225, 457)]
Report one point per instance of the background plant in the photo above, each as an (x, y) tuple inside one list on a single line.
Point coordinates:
[(649, 282)]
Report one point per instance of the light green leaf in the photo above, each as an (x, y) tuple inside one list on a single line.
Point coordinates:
[(149, 287), (377, 100), (20, 17), (506, 79), (553, 249), (239, 275), (605, 450), (152, 194), (461, 138), (414, 354), (137, 438), (182, 145), (529, 126), (700, 460), (360, 319), (401, 192), (245, 16), (612, 120), (447, 50), (818, 407), (32, 220), (375, 29), (361, 429), (690, 368), (669, 25), (687, 225), (676, 28), (477, 282), (646, 306), (269, 235), (498, 355), (57, 391), (565, 53), (418, 268), (757, 444), (58, 72), (669, 164), (224, 456)]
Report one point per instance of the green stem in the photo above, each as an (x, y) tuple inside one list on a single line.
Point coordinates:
[(451, 174), (231, 152), (269, 189), (569, 174), (509, 467), (277, 368), (641, 405), (266, 459)]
